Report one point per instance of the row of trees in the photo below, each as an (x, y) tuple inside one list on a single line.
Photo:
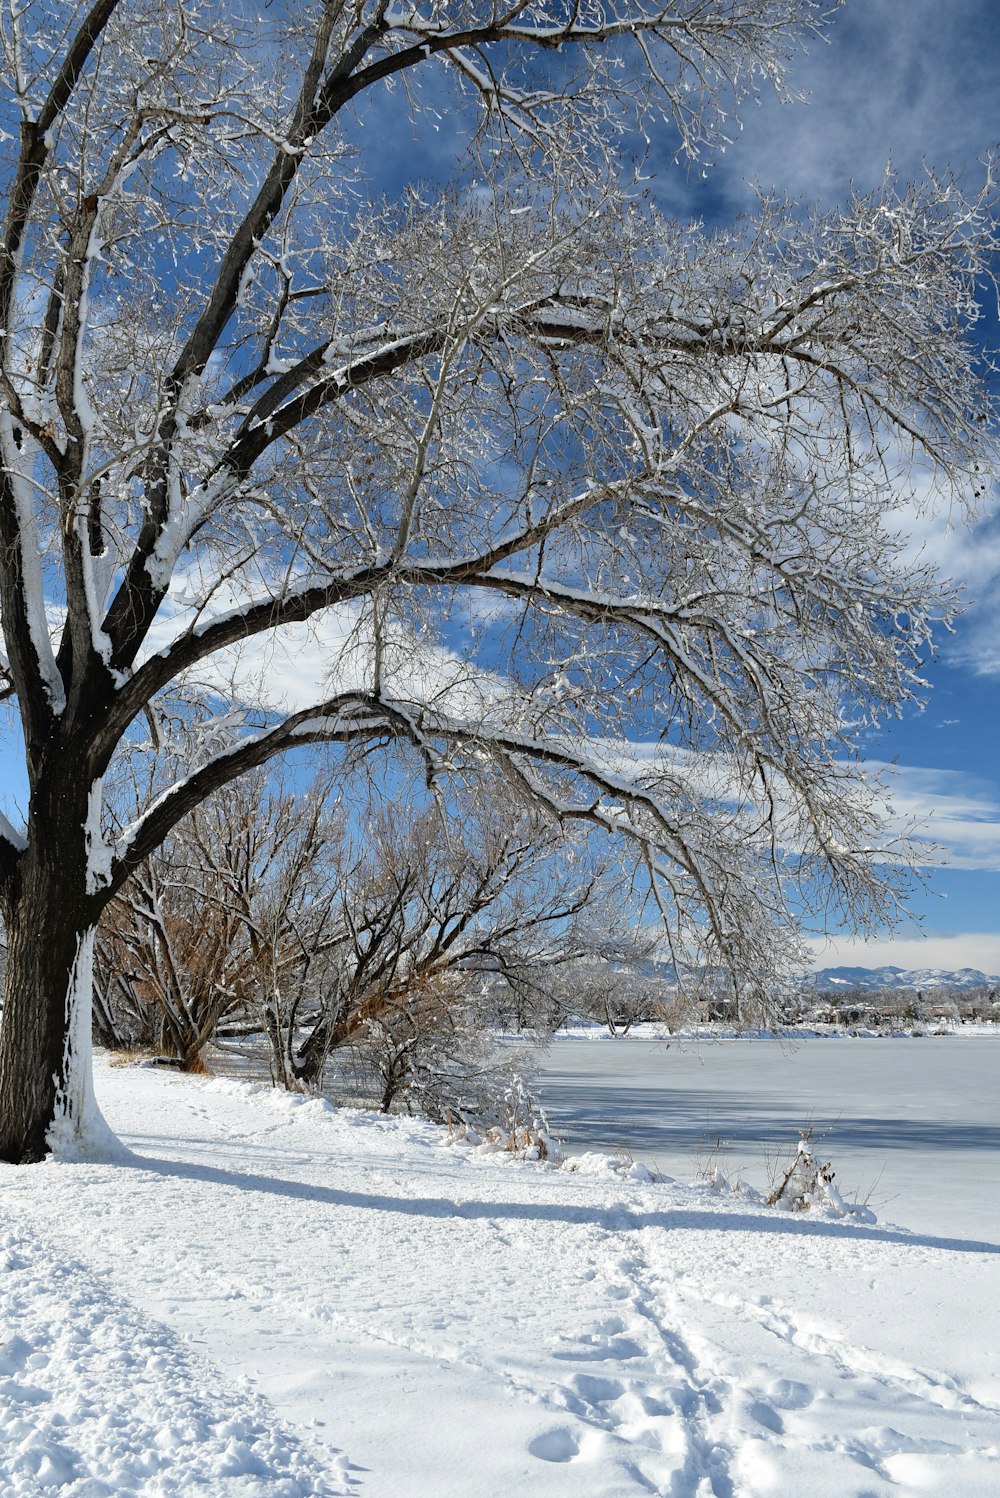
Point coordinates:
[(890, 1005), (404, 935)]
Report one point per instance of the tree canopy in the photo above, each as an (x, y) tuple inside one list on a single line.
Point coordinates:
[(531, 473)]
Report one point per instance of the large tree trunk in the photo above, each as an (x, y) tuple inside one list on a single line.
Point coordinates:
[(47, 1102)]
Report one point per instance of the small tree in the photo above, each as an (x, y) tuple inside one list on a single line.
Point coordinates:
[(282, 881), (164, 968), (232, 916), (239, 392), (435, 917), (412, 1039), (614, 996)]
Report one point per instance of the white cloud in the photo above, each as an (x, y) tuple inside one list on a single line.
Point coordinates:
[(295, 667), (956, 816), (976, 644), (947, 951), (916, 80)]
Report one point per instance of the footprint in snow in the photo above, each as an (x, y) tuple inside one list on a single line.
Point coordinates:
[(766, 1416), (618, 1349), (597, 1390), (789, 1394), (559, 1445)]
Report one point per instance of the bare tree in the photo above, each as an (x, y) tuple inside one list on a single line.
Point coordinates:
[(275, 912), (269, 866), (232, 915), (238, 393), (614, 996), (166, 964), (439, 917)]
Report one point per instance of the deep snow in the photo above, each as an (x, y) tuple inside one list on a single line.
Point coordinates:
[(420, 1319)]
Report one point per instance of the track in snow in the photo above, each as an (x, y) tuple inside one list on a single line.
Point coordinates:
[(462, 1326)]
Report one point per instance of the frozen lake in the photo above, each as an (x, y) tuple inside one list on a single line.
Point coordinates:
[(912, 1124)]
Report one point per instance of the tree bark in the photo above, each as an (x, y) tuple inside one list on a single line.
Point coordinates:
[(46, 1090)]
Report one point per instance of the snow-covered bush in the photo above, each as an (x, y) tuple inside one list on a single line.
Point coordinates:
[(433, 1051), (808, 1182), (509, 1119)]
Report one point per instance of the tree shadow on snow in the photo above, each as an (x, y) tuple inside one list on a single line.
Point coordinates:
[(684, 1118), (611, 1217)]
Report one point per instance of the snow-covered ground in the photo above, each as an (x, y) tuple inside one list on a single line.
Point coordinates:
[(911, 1123), (272, 1298)]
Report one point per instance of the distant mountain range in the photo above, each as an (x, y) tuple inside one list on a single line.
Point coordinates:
[(859, 977), (897, 977)]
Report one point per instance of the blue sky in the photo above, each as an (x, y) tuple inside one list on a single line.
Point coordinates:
[(917, 81)]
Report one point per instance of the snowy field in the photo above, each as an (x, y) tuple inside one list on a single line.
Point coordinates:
[(269, 1298)]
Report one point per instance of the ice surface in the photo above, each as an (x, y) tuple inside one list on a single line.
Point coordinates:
[(912, 1122)]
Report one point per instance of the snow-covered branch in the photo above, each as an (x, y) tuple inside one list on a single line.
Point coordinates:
[(501, 471)]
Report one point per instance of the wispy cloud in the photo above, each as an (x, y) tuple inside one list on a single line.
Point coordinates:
[(955, 816), (914, 82), (949, 951)]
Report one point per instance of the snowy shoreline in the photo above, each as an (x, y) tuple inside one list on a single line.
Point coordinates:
[(271, 1297), (652, 1030)]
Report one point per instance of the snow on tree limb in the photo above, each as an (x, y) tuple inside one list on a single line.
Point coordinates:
[(567, 473), (10, 835)]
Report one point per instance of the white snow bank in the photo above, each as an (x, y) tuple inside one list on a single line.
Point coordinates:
[(452, 1323), (98, 1400)]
